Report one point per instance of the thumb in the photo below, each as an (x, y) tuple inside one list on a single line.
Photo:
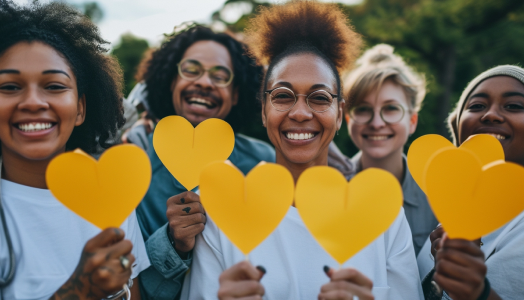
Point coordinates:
[(262, 271), (107, 237), (241, 271), (329, 271)]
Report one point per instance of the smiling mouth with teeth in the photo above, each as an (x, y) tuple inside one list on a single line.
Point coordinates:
[(497, 136), (200, 101), (300, 136), (32, 127), (377, 137)]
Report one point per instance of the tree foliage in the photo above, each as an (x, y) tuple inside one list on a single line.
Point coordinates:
[(129, 52)]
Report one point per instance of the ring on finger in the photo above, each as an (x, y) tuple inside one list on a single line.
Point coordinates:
[(124, 262)]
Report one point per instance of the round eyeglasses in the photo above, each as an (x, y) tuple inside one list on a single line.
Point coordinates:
[(283, 99), (389, 113), (192, 70)]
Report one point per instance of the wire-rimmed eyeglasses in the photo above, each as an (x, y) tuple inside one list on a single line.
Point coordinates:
[(390, 113), (283, 99)]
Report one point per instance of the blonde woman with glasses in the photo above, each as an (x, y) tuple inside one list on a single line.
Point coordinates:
[(384, 96)]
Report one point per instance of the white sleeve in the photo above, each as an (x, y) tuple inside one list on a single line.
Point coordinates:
[(208, 263), (134, 234), (425, 260), (402, 271)]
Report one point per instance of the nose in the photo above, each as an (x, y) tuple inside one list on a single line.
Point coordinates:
[(33, 101), (204, 81), (301, 111), (493, 115), (376, 121)]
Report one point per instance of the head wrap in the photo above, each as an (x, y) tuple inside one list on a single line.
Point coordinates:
[(506, 70)]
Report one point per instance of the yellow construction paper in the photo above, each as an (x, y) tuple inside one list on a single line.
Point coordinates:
[(185, 150), (420, 152), (246, 209), (346, 217), (469, 199), (103, 192), (486, 147)]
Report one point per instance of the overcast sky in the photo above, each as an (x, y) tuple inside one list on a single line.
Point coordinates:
[(150, 19)]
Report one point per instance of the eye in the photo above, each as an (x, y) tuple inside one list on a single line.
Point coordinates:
[(10, 87), (391, 108), (476, 106), (55, 87), (514, 106)]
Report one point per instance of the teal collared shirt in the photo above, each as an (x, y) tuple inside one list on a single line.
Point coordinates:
[(164, 278), (420, 217)]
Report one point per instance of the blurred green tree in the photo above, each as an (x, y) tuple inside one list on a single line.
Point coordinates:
[(129, 52), (451, 41)]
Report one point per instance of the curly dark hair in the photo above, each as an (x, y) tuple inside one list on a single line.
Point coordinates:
[(303, 27), (161, 69), (78, 40)]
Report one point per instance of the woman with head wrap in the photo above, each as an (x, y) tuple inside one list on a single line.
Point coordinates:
[(305, 45), (492, 103)]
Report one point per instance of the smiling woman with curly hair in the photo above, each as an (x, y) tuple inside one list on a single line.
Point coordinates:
[(306, 45), (58, 91)]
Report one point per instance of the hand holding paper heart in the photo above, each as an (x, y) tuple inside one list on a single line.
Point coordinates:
[(486, 147), (246, 209), (185, 150), (469, 199), (103, 192), (346, 217)]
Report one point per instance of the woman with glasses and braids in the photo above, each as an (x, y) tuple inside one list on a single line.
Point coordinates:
[(58, 91), (384, 96), (305, 45)]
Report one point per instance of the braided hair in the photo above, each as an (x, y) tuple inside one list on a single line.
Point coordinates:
[(160, 70), (78, 40)]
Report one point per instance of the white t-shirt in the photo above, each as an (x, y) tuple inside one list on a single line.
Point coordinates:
[(294, 262), (48, 240)]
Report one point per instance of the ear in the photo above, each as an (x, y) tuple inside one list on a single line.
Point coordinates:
[(81, 111), (234, 97), (264, 119), (346, 116), (413, 121), (340, 108)]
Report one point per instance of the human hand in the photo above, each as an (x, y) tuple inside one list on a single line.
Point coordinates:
[(186, 217), (241, 281), (435, 237), (345, 284), (100, 272), (460, 269)]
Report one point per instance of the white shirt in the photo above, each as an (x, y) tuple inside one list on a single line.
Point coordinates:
[(294, 262), (48, 239), (503, 250)]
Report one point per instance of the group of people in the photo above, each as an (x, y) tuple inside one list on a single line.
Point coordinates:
[(300, 73)]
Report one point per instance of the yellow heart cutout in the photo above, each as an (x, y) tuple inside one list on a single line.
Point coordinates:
[(103, 192), (486, 147), (185, 150), (246, 209), (346, 217), (471, 200)]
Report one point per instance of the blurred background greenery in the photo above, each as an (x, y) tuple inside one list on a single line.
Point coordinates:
[(450, 41)]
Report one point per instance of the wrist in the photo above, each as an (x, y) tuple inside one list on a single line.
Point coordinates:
[(183, 255), (486, 291)]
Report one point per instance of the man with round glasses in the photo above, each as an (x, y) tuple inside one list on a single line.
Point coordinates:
[(197, 74)]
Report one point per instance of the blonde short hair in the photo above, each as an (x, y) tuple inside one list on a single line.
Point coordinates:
[(377, 65)]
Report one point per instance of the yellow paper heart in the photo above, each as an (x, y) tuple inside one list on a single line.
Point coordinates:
[(471, 200), (246, 209), (346, 217), (103, 192), (185, 150), (486, 147)]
